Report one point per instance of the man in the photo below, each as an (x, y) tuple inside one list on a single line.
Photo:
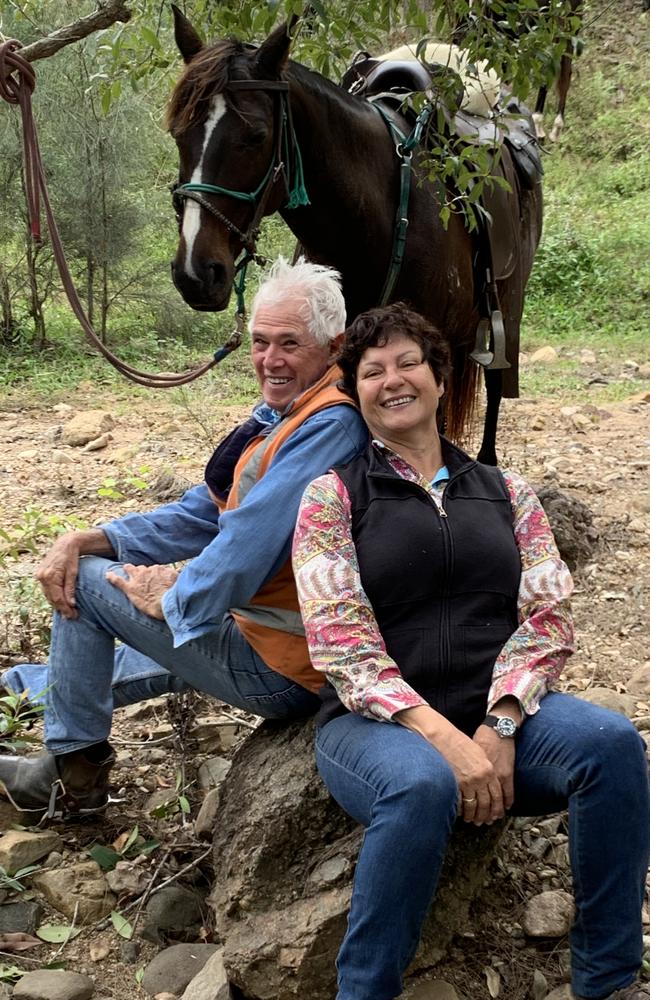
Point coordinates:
[(228, 624)]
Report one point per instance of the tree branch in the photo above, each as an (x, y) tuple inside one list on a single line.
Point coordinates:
[(107, 13)]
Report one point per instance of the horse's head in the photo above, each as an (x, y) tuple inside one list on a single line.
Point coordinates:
[(228, 116)]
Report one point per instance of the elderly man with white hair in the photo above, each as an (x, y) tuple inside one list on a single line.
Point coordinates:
[(228, 624)]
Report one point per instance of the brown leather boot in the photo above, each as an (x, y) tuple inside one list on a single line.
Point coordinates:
[(70, 784)]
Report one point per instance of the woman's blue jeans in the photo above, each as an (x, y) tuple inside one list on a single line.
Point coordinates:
[(571, 754), (87, 676)]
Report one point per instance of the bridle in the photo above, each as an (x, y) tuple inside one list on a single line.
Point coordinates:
[(285, 167)]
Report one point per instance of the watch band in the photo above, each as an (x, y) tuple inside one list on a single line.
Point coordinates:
[(506, 727)]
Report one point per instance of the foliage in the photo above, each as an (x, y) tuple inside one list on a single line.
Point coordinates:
[(12, 882), (127, 483), (17, 716), (127, 846), (35, 527), (177, 803)]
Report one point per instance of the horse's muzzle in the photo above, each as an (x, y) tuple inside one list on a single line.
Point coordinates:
[(207, 290)]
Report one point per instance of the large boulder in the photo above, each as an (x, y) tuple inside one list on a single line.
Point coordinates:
[(572, 523), (284, 861)]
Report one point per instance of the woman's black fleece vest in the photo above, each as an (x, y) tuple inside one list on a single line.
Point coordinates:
[(443, 588)]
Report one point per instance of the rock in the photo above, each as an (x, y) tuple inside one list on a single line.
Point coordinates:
[(167, 487), (99, 950), (20, 917), (581, 422), (549, 914), (81, 885), (143, 709), (98, 443), (212, 772), (572, 523), (284, 859), (587, 356), (87, 426), (53, 984), (623, 703), (434, 989), (644, 370), (538, 423), (211, 983), (61, 457), (174, 912), (29, 454), (544, 356), (173, 969), (205, 821), (127, 879), (630, 365), (19, 848), (539, 988), (10, 817), (561, 993), (639, 682), (62, 409), (129, 952)]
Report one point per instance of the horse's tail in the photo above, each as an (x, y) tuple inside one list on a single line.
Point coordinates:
[(462, 395)]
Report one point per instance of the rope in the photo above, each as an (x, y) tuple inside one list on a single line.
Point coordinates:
[(17, 81)]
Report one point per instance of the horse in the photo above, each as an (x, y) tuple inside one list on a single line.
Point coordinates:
[(246, 117)]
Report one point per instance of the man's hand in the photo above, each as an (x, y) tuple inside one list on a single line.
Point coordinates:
[(144, 586), (57, 574)]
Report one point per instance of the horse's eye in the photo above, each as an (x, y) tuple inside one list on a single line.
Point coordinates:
[(256, 137)]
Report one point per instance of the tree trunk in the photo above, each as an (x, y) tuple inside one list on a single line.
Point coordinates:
[(7, 326)]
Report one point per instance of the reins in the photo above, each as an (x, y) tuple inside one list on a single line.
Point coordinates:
[(17, 82)]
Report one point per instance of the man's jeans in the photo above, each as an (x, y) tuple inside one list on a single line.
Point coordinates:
[(571, 753), (87, 677)]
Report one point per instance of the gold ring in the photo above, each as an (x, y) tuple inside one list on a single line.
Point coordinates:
[(469, 801)]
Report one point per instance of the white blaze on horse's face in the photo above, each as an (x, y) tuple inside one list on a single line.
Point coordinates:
[(192, 211)]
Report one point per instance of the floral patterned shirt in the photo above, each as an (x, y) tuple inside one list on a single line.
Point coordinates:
[(342, 632)]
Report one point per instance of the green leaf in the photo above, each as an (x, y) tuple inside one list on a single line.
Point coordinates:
[(131, 839), (139, 975), (150, 37), (121, 925), (149, 847), (57, 933), (105, 857), (184, 804)]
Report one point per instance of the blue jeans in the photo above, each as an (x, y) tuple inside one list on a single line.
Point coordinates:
[(570, 754), (86, 676)]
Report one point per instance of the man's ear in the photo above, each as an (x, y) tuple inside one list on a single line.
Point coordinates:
[(335, 345), (187, 38), (273, 54)]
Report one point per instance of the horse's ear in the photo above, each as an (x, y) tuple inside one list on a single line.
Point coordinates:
[(187, 38), (273, 54)]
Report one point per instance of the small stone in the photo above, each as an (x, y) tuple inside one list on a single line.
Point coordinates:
[(79, 888), (99, 950), (434, 989), (545, 356), (144, 709), (129, 952), (20, 848), (98, 443), (204, 822), (212, 772), (630, 365), (538, 423), (174, 912), (62, 409), (639, 682), (173, 969), (561, 993), (644, 370), (127, 879), (581, 422), (549, 914), (29, 454), (53, 984), (20, 917), (61, 458), (587, 356), (211, 983)]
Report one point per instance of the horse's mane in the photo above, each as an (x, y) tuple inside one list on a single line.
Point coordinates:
[(206, 75)]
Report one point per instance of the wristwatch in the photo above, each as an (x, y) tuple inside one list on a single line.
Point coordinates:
[(505, 726)]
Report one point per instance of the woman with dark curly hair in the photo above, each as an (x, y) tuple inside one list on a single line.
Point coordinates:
[(436, 605)]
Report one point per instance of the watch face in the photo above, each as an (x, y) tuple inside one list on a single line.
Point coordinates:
[(506, 726)]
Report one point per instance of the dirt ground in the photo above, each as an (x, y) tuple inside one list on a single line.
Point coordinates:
[(599, 454)]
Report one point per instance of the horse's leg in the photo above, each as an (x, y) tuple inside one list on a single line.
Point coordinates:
[(488, 453), (538, 113), (563, 84)]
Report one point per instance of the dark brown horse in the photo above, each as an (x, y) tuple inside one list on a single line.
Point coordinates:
[(244, 118)]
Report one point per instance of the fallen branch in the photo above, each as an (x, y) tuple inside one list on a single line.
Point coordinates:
[(107, 13)]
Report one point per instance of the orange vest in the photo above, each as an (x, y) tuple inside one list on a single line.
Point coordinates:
[(271, 623)]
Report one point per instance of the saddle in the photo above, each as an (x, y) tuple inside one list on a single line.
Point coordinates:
[(498, 241)]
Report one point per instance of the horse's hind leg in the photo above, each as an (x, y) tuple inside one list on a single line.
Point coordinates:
[(493, 390), (563, 84), (538, 113)]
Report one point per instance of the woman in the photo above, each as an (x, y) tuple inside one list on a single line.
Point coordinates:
[(436, 604)]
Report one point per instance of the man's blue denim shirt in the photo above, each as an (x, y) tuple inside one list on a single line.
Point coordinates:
[(235, 553)]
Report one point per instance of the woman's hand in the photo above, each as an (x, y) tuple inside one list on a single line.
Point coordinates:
[(57, 573), (144, 586), (501, 751), (480, 792)]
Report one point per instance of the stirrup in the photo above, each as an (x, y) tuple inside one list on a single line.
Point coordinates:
[(491, 331)]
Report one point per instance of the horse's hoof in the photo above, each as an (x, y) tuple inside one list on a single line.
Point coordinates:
[(556, 131), (538, 122)]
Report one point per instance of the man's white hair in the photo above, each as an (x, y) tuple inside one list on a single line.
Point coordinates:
[(323, 305)]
